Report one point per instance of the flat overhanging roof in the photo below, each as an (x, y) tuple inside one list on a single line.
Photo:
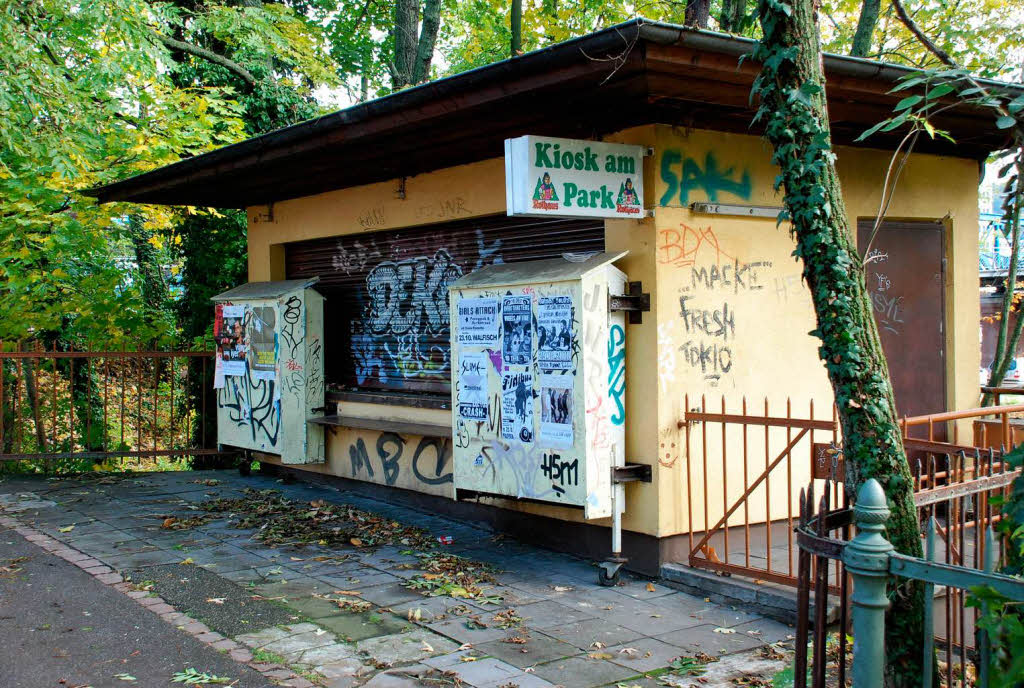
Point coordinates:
[(639, 72)]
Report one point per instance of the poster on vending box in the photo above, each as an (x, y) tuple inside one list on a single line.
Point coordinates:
[(556, 411), (229, 333), (262, 333), (472, 391), (478, 322), (554, 332), (517, 339), (517, 407)]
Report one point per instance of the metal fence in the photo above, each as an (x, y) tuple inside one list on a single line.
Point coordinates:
[(961, 552), (745, 463), (58, 404)]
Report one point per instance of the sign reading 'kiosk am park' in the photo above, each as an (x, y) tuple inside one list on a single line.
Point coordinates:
[(573, 178)]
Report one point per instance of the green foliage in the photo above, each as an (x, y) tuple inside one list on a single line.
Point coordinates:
[(984, 36)]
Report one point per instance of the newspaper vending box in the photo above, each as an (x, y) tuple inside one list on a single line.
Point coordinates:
[(269, 371), (538, 383)]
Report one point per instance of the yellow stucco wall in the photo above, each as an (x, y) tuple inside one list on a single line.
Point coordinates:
[(770, 353)]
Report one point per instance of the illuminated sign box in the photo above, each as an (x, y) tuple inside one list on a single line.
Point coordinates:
[(573, 178)]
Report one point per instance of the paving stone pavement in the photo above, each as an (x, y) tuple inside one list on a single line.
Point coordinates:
[(566, 629)]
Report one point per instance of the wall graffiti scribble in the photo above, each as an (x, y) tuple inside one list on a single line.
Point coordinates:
[(430, 463), (617, 372), (681, 176)]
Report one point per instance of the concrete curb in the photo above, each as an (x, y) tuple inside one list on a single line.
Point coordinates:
[(276, 673)]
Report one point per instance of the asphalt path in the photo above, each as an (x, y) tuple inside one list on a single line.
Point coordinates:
[(61, 628)]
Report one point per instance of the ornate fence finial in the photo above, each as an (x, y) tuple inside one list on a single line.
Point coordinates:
[(867, 559)]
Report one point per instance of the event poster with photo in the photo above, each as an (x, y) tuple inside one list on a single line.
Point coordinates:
[(472, 391), (556, 411), (517, 407), (554, 333), (478, 322), (517, 340), (230, 337), (262, 342)]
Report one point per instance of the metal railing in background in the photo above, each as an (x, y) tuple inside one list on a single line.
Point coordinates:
[(58, 404), (961, 552), (992, 427)]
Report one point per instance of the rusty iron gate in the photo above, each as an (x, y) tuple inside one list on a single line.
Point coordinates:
[(74, 404), (749, 512)]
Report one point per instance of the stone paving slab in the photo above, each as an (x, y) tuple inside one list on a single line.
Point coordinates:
[(583, 634), (583, 672), (413, 646), (536, 649)]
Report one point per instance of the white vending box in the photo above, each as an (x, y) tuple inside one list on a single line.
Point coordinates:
[(269, 372), (538, 381)]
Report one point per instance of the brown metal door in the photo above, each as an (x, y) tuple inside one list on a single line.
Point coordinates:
[(905, 275)]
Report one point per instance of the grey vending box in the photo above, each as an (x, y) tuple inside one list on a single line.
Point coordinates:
[(269, 373), (538, 381)]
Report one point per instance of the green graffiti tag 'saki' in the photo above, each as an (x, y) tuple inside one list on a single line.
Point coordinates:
[(683, 176)]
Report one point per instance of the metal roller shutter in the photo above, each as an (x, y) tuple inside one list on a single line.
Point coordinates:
[(386, 314)]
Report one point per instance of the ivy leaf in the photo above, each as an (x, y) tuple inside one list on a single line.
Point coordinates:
[(1005, 122)]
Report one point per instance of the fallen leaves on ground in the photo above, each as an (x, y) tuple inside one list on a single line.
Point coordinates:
[(279, 521), (771, 652), (12, 566), (507, 619), (175, 523), (191, 677), (451, 575), (347, 604)]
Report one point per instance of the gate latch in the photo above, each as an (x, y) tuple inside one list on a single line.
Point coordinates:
[(635, 302)]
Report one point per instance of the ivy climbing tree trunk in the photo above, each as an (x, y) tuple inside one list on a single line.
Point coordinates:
[(793, 112)]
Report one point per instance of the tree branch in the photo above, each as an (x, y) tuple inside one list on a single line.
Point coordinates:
[(928, 43), (210, 56)]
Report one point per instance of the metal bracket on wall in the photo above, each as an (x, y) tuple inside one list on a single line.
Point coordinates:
[(632, 473), (635, 302)]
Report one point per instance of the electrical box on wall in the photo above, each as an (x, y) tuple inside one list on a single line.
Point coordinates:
[(538, 381), (269, 372)]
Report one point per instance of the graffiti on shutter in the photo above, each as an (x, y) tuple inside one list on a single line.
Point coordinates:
[(386, 314)]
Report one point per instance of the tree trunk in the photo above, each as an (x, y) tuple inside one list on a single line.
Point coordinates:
[(404, 30), (427, 40), (28, 367), (865, 28), (698, 13), (793, 111), (516, 24), (8, 421)]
